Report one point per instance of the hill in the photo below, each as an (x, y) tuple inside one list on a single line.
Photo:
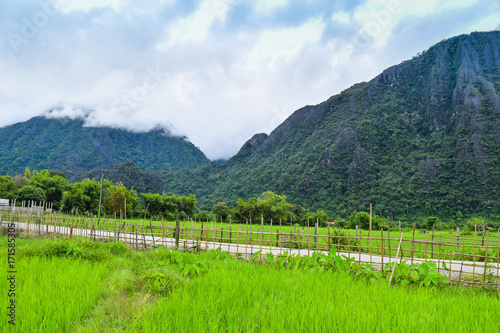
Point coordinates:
[(422, 138), (67, 145)]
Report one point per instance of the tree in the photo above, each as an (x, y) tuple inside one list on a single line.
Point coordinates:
[(53, 185), (118, 199), (202, 216), (20, 181), (83, 196), (362, 220), (244, 210), (273, 207), (221, 210), (319, 216), (298, 213), (431, 220), (187, 204), (7, 187), (31, 193)]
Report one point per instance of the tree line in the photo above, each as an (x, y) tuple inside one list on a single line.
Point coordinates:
[(83, 197)]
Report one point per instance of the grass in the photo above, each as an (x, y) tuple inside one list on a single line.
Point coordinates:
[(237, 297), (52, 294), (83, 286)]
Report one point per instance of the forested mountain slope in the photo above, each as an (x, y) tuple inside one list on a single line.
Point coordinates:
[(421, 138), (67, 145)]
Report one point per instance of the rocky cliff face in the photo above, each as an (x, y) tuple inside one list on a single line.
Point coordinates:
[(421, 138)]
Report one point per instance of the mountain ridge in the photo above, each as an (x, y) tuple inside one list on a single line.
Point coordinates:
[(420, 138), (70, 146)]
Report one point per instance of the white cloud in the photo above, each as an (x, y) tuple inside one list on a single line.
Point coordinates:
[(378, 18), (265, 7), (341, 17), (219, 79), (281, 45), (68, 6), (196, 26)]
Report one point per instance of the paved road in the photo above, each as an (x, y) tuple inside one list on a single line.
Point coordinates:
[(454, 266)]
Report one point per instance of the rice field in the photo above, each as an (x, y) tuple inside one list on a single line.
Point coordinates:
[(84, 286)]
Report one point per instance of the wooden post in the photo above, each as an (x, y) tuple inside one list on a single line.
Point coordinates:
[(152, 231), (316, 232), (329, 240), (383, 252), (261, 231), (370, 235), (308, 243), (238, 240), (270, 235), (432, 242), (412, 243), (338, 241), (484, 228), (397, 255), (177, 229), (485, 272), (389, 242), (162, 232), (356, 231), (134, 228)]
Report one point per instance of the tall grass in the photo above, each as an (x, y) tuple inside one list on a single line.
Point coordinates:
[(52, 294), (238, 297), (82, 286)]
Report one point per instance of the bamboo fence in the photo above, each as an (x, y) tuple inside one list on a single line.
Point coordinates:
[(467, 259)]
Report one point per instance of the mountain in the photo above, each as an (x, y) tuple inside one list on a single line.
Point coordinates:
[(67, 145), (422, 138)]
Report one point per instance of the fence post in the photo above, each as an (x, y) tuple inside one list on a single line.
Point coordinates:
[(485, 256), (413, 243), (484, 227), (177, 229), (316, 234), (432, 243), (329, 240)]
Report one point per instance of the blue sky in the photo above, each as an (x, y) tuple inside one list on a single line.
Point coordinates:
[(216, 71)]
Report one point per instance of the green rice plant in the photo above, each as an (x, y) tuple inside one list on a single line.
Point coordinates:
[(53, 294), (241, 297)]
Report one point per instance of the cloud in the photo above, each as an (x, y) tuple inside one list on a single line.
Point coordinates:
[(341, 17), (217, 71)]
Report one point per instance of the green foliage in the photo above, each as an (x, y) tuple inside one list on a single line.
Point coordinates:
[(81, 248), (118, 198), (170, 205), (362, 220), (269, 205), (403, 141), (82, 196), (319, 216), (31, 193), (430, 222), (53, 184), (67, 145), (423, 274), (8, 188), (221, 211)]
